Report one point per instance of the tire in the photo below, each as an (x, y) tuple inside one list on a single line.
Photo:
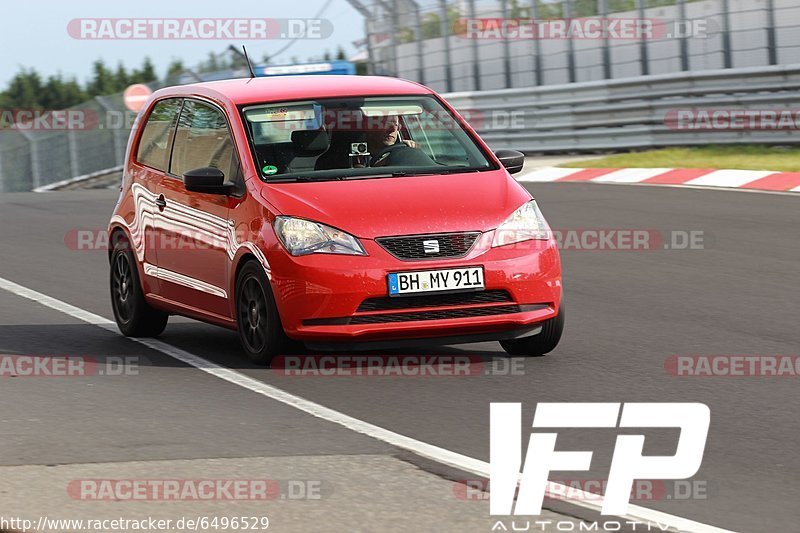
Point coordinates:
[(134, 317), (541, 344), (259, 324)]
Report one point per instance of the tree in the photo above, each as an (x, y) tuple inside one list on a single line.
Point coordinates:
[(517, 12), (175, 68), (615, 6), (431, 26), (146, 74), (24, 91), (211, 64), (102, 81), (405, 35), (237, 61), (340, 54), (584, 8), (60, 94), (549, 11), (121, 78)]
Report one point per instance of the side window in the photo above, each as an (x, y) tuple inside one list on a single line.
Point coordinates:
[(202, 140), (154, 143)]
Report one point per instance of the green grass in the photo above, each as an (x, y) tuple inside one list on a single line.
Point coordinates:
[(744, 157)]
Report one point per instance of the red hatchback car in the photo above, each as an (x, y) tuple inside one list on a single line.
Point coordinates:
[(329, 210)]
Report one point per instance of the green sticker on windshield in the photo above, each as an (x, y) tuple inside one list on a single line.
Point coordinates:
[(269, 170)]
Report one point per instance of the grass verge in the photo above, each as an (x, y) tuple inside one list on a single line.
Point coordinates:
[(744, 157)]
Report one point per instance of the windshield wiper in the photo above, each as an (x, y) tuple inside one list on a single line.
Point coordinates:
[(404, 173), (292, 179)]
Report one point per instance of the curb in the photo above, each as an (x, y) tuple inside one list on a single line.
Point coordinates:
[(59, 185), (755, 180)]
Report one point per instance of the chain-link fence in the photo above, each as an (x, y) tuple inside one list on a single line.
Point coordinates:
[(39, 148), (495, 44), (44, 147)]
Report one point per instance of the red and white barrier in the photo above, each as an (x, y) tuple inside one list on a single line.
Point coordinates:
[(764, 180)]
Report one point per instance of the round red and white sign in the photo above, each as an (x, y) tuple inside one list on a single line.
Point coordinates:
[(136, 95)]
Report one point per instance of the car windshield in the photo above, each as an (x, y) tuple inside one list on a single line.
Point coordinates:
[(351, 138)]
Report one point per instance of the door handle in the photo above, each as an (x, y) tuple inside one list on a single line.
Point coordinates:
[(161, 203)]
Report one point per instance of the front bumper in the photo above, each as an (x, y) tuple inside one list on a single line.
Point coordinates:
[(318, 295)]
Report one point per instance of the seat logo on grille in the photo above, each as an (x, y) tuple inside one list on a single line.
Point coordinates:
[(431, 247)]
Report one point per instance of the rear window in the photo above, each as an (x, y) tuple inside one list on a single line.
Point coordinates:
[(154, 143)]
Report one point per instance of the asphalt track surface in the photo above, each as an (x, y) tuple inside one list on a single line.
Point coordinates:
[(628, 312)]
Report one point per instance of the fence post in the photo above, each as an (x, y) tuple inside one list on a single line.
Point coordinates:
[(364, 12), (476, 67), (726, 34), (644, 59), (683, 38), (391, 9), (603, 12), (370, 51), (36, 172), (772, 45), (119, 141), (570, 44), (72, 144), (445, 28), (506, 45), (418, 37), (537, 45)]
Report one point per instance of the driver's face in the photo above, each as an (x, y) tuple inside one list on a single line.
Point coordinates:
[(389, 134)]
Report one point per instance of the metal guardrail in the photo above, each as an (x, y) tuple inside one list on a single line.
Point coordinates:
[(630, 113), (576, 117)]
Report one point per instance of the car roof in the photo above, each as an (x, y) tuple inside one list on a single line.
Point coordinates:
[(243, 91)]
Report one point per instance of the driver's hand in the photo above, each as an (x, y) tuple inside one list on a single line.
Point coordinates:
[(410, 143)]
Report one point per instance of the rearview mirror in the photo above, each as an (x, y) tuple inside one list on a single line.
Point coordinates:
[(207, 180), (511, 160)]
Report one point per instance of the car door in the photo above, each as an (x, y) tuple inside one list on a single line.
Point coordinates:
[(149, 168), (195, 236)]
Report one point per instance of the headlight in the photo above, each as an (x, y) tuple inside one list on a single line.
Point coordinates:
[(302, 237), (524, 224)]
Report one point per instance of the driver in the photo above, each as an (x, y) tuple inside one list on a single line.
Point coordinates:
[(388, 149)]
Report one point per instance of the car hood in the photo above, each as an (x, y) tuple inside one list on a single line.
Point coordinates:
[(370, 208)]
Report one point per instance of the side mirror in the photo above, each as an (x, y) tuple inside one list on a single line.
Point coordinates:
[(207, 180), (511, 159)]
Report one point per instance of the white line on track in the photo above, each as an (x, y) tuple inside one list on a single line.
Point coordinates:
[(683, 186), (440, 455), (631, 175)]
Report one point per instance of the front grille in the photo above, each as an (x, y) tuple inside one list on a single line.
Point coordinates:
[(438, 314), (411, 247), (435, 315), (434, 300)]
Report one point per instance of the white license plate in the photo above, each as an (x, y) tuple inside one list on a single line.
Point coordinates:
[(468, 278)]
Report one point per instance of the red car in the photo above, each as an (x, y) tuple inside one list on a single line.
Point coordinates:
[(329, 210)]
